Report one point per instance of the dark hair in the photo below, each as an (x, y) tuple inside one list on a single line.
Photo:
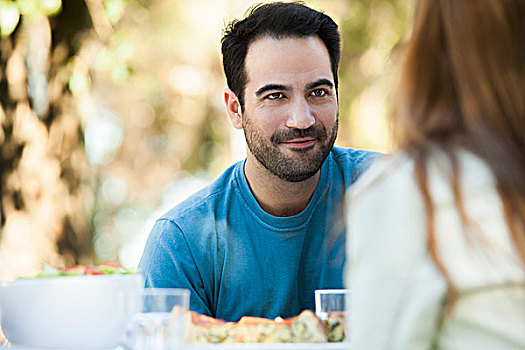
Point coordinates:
[(277, 20), (463, 84)]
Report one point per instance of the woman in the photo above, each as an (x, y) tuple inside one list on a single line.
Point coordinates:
[(437, 231)]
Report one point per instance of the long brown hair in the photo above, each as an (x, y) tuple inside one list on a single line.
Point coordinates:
[(463, 86)]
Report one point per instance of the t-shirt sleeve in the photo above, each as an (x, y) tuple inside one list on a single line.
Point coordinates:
[(167, 262), (362, 160)]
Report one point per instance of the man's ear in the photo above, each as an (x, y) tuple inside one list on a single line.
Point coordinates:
[(233, 107)]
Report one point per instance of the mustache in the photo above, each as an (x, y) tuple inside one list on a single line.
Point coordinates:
[(315, 131)]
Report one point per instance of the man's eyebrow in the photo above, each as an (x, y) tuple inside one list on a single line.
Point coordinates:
[(270, 87), (320, 82)]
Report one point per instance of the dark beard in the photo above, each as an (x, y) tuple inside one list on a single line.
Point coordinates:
[(295, 169)]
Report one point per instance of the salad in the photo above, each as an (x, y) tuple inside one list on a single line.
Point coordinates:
[(107, 268)]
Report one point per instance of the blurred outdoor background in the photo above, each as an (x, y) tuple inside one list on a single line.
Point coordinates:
[(111, 112)]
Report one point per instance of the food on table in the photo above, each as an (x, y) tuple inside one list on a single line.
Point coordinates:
[(335, 325), (303, 328), (307, 328), (260, 330), (205, 329), (107, 268)]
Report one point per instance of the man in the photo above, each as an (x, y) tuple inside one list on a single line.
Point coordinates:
[(269, 231)]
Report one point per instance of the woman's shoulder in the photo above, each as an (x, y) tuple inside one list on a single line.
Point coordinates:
[(397, 171), (474, 176), (387, 171)]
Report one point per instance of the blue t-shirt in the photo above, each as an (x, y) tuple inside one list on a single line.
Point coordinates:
[(237, 260)]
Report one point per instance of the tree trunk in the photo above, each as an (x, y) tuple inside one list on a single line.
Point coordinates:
[(42, 159)]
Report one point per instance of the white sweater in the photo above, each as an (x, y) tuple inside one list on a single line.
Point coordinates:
[(397, 293)]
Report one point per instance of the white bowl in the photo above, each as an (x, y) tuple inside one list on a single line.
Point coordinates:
[(73, 312)]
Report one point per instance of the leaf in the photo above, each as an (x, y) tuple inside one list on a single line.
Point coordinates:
[(114, 10), (51, 7), (48, 271), (9, 17)]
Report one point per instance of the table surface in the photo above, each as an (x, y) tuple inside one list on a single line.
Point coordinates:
[(254, 346), (273, 346)]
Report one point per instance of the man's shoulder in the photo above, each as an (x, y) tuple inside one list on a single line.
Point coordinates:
[(352, 155), (206, 199), (352, 162)]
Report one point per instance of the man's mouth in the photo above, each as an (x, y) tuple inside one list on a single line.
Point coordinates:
[(299, 139), (300, 142)]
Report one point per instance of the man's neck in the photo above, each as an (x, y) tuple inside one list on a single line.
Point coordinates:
[(275, 195)]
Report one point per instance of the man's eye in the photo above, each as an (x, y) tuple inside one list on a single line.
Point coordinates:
[(275, 96), (319, 93)]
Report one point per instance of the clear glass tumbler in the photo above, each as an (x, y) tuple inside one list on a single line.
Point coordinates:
[(329, 300), (160, 325)]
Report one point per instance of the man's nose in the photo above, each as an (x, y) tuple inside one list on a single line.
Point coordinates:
[(301, 116)]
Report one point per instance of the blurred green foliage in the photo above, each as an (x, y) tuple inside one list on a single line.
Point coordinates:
[(134, 119)]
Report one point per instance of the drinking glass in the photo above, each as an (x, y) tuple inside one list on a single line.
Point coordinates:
[(161, 322), (329, 300)]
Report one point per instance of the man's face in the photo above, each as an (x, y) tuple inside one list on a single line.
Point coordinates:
[(290, 116)]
